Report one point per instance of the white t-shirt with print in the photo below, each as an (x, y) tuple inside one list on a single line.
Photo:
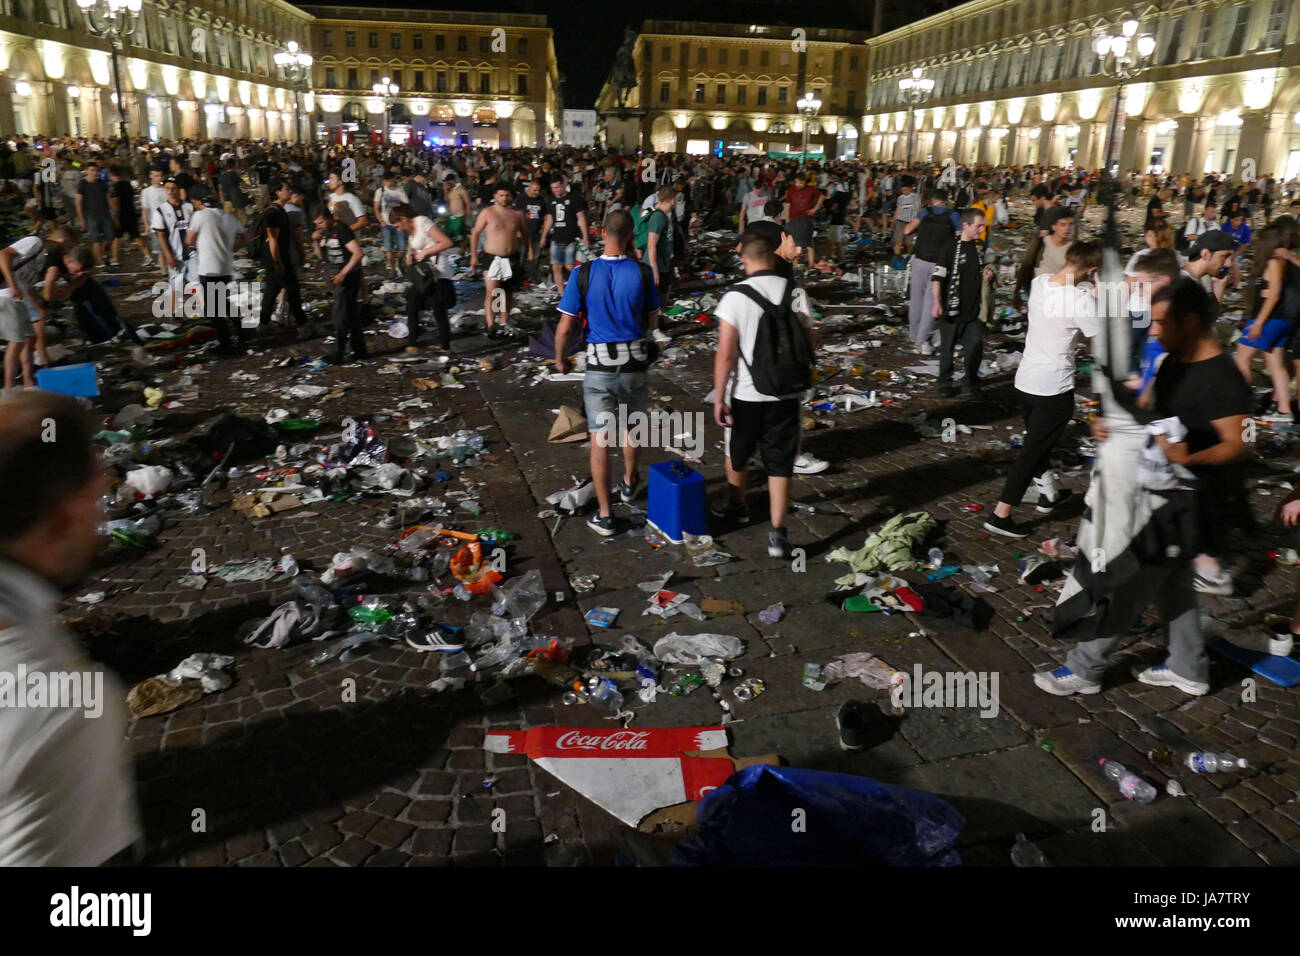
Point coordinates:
[(1058, 315)]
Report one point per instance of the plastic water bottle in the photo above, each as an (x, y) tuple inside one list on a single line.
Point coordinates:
[(1130, 784), (936, 558), (1214, 763)]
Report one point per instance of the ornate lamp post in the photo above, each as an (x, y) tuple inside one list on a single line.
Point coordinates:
[(1124, 56), (915, 90), (387, 91), (115, 21), (297, 66), (808, 105)]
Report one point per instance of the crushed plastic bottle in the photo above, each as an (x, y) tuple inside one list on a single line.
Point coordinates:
[(772, 614), (604, 693), (1024, 853), (935, 559), (1130, 784), (1214, 763)]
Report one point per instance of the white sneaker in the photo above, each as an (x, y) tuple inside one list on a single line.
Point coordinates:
[(1064, 682), (1265, 641), (1161, 676), (926, 348), (806, 464), (662, 337), (1212, 582)]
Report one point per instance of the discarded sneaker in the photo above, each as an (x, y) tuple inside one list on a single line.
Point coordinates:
[(444, 639), (1265, 641), (1064, 682), (1161, 676), (1006, 527), (807, 464), (1213, 582), (852, 725)]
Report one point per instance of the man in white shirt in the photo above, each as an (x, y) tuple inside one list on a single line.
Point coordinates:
[(754, 421), (215, 235), (1197, 226), (171, 221), (67, 792), (151, 197)]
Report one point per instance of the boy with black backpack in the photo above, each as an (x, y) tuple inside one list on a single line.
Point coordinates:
[(763, 366)]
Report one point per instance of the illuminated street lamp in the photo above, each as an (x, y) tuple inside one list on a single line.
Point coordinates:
[(915, 90), (808, 105), (387, 91), (297, 67), (1125, 56), (115, 21)]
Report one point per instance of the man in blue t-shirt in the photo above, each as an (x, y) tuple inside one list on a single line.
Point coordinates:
[(1239, 231), (622, 308)]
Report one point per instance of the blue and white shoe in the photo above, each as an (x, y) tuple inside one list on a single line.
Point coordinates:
[(1064, 682), (1161, 676)]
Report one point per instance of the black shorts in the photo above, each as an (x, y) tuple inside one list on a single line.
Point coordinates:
[(770, 427), (130, 230)]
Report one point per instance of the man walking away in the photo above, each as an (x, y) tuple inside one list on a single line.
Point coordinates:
[(216, 234), (958, 292), (934, 227), (343, 255), (275, 239)]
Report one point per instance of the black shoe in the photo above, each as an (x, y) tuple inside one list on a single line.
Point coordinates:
[(730, 510), (973, 390), (852, 724), (1047, 505), (494, 332), (947, 391), (602, 526), (626, 492), (778, 545), (1006, 527)]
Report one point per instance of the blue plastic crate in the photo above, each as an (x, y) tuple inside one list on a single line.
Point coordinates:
[(77, 380), (675, 501)]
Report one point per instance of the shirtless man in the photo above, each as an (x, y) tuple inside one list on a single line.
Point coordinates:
[(505, 230), (457, 205)]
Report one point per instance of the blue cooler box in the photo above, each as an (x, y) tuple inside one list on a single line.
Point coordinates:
[(675, 503), (77, 380)]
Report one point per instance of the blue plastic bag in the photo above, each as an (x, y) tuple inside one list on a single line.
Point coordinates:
[(846, 821)]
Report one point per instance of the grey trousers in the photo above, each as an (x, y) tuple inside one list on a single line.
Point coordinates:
[(1175, 600), (920, 316)]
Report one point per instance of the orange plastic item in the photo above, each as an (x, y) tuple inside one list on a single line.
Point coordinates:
[(552, 653), (466, 562), (482, 582)]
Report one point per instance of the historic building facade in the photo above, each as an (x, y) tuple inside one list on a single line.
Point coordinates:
[(1017, 81), (709, 87), (196, 68), (483, 79)]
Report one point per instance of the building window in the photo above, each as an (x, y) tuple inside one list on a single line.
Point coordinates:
[(1173, 41), (853, 100), (350, 40), (763, 57), (374, 77), (395, 40), (327, 38), (1203, 35), (1237, 37), (699, 92), (649, 53), (740, 96), (373, 41), (462, 44), (485, 44), (853, 62), (785, 59), (782, 95), (352, 79), (1276, 24), (523, 46), (417, 81), (702, 56), (722, 57), (439, 42), (722, 94), (663, 92), (417, 41), (521, 84), (484, 84), (744, 58), (666, 54), (440, 79), (762, 96), (329, 79)]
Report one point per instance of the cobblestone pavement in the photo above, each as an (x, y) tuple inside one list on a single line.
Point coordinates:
[(288, 770)]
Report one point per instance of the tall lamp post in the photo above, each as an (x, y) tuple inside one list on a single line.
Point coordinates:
[(74, 93), (115, 21), (1124, 56), (808, 105), (915, 90), (387, 91), (296, 65)]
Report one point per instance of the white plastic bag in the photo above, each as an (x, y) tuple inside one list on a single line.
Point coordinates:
[(149, 480), (690, 649)]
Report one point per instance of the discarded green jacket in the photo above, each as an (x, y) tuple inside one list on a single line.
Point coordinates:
[(890, 548)]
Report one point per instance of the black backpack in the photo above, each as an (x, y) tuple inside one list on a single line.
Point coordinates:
[(933, 234), (257, 234), (782, 362), (583, 277)]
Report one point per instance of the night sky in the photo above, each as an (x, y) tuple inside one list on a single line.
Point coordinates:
[(587, 35)]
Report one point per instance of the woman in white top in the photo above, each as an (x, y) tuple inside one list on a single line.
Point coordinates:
[(1061, 307), (426, 242)]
